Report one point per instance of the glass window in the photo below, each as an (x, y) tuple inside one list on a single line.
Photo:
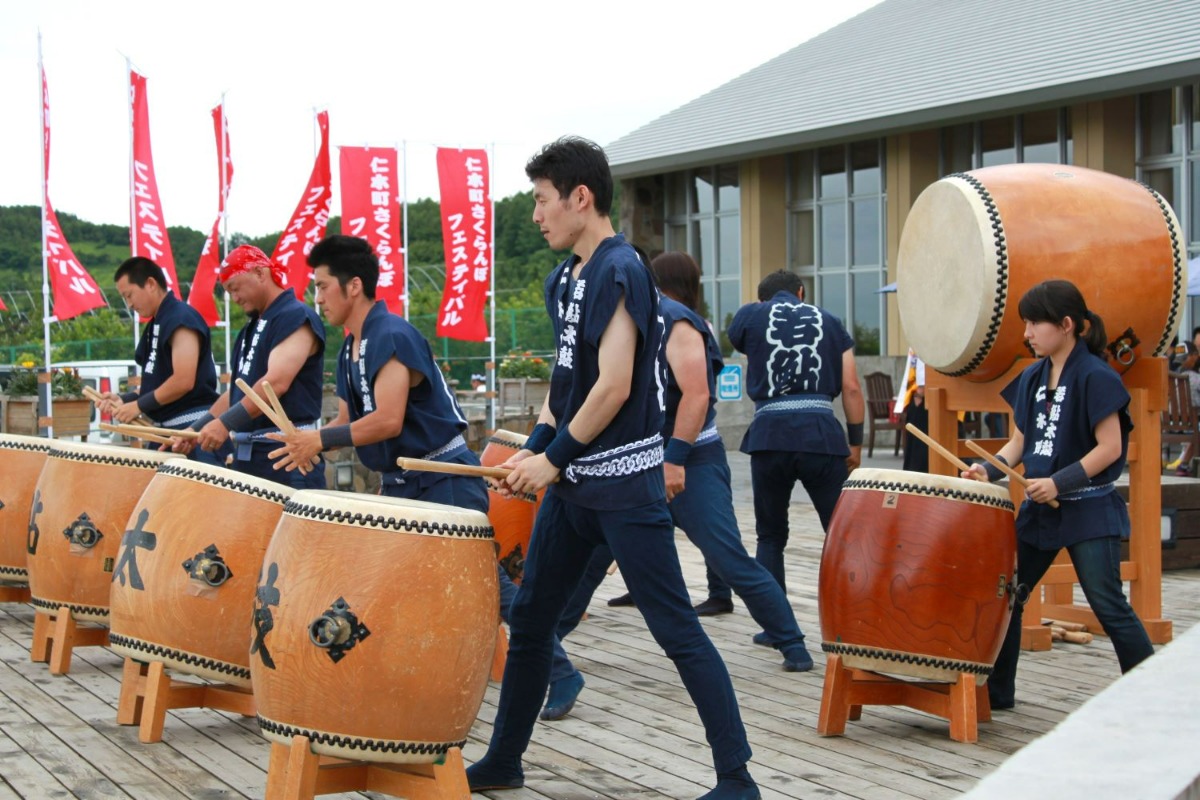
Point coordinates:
[(677, 238), (1194, 168), (800, 177), (958, 145), (866, 232), (996, 142), (704, 249), (833, 236), (833, 294), (729, 196), (833, 172), (729, 299), (1069, 158), (730, 242), (867, 303), (864, 160), (1158, 123), (802, 238), (1039, 137), (1195, 91), (702, 196)]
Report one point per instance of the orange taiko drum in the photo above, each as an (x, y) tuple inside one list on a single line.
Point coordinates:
[(512, 517), (374, 626), (975, 242), (21, 462), (917, 574), (195, 548), (77, 524)]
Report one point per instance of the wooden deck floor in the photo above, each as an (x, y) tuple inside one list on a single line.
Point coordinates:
[(633, 734)]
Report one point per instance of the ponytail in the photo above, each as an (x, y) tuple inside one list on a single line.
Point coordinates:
[(1094, 337)]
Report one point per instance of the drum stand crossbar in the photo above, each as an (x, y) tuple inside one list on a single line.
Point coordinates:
[(1146, 382), (964, 703), (148, 692), (295, 772), (55, 636)]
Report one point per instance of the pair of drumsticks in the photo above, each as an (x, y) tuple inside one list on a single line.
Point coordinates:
[(140, 427), (273, 409), (979, 451)]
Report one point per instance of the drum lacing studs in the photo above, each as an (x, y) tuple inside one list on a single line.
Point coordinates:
[(208, 567), (83, 532), (337, 630)]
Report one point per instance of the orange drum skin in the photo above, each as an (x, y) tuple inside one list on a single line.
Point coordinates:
[(21, 462), (916, 574), (512, 517), (975, 242), (192, 598), (85, 494), (374, 626)]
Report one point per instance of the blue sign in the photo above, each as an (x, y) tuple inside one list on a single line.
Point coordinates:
[(729, 383)]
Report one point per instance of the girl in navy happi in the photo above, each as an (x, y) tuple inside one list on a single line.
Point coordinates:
[(1071, 431)]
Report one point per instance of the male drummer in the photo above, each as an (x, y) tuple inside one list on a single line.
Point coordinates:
[(179, 379), (600, 435), (798, 359), (282, 343)]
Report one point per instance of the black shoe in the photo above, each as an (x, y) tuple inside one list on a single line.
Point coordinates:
[(622, 600), (797, 659), (562, 697), (482, 777), (715, 607)]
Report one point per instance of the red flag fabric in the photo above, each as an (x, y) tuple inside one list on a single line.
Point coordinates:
[(2, 306), (370, 210), (73, 289), (147, 228), (467, 235), (201, 295), (307, 226)]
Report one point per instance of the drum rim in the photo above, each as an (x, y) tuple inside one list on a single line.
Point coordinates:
[(369, 511), (922, 483), (508, 438), (111, 454), (16, 441), (349, 743), (188, 659), (225, 478)]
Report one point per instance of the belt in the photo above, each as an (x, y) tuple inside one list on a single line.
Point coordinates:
[(186, 418), (1089, 491), (625, 459), (244, 441), (707, 435), (450, 449), (802, 404)]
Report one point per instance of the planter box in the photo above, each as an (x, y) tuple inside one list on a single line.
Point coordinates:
[(521, 395), (72, 417)]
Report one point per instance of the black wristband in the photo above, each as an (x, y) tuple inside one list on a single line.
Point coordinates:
[(677, 452), (564, 449), (200, 423), (147, 403), (994, 473), (335, 436), (236, 418), (1071, 478), (539, 438), (129, 397), (854, 433)]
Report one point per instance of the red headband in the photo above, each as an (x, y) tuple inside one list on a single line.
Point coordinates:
[(247, 257)]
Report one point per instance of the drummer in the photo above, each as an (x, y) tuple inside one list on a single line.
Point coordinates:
[(799, 357), (283, 344), (179, 379)]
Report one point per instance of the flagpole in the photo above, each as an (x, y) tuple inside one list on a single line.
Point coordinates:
[(404, 219), (42, 112), (133, 248), (491, 373), (225, 237)]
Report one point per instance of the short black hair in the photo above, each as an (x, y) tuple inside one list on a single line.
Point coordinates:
[(573, 161), (138, 270), (347, 258), (779, 281)]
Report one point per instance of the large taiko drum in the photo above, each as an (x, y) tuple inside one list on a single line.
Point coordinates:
[(917, 574), (512, 517), (975, 242), (374, 626), (188, 596), (21, 462), (78, 541)]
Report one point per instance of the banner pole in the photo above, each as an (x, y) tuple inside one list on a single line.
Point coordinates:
[(133, 248), (42, 112), (225, 239), (404, 219)]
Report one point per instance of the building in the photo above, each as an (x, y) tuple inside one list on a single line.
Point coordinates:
[(812, 160)]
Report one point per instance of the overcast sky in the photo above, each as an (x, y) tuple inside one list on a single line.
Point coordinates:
[(510, 75)]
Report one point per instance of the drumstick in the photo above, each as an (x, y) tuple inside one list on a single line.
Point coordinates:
[(1005, 468), (262, 404), (136, 431), (943, 452), (273, 399), (421, 465), (92, 394)]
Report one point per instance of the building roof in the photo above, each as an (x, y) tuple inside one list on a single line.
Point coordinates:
[(910, 64)]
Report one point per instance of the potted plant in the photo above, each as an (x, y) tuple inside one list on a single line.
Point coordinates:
[(524, 381), (72, 412)]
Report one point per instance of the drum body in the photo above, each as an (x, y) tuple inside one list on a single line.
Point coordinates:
[(77, 527), (374, 626), (975, 242), (512, 517), (21, 462), (189, 597), (917, 573)]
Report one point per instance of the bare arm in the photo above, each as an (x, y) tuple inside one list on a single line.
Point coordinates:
[(185, 357), (688, 361), (852, 403)]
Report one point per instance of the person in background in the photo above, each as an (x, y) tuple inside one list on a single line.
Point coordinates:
[(910, 401)]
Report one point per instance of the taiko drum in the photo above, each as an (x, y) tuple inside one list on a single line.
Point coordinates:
[(512, 517), (374, 626), (21, 462), (917, 573), (197, 539), (975, 242), (77, 525)]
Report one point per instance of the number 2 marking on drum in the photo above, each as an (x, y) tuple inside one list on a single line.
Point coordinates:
[(890, 499)]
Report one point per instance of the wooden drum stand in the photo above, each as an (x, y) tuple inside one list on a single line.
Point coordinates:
[(295, 772)]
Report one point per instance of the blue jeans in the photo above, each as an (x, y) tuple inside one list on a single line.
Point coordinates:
[(642, 540), (1098, 566)]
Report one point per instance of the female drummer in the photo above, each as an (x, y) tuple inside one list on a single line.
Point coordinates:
[(1071, 431)]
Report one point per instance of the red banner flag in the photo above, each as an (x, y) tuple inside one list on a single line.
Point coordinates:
[(2, 306), (201, 295), (371, 211), (307, 226), (467, 236), (74, 290), (147, 228)]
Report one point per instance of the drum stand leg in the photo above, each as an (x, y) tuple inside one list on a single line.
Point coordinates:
[(500, 656), (56, 635), (14, 594), (297, 773), (964, 703), (147, 693)]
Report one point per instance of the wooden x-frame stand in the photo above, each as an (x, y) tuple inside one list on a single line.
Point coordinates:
[(295, 772)]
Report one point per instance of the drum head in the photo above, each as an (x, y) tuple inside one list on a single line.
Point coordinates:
[(111, 454), (902, 482), (390, 513)]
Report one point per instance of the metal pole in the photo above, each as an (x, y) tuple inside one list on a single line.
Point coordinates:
[(132, 192), (225, 241), (404, 233), (43, 113)]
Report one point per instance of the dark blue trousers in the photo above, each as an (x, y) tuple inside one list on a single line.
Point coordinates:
[(260, 465), (642, 541)]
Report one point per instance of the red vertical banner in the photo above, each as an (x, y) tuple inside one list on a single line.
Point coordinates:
[(371, 210), (74, 290), (467, 236), (201, 295), (147, 227), (308, 222)]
